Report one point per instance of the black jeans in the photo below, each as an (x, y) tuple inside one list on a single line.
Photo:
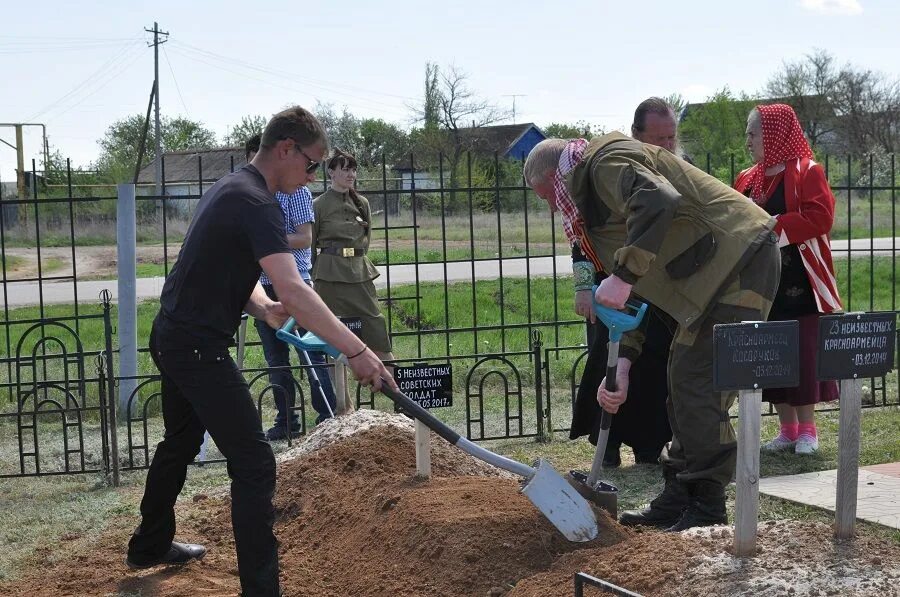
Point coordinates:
[(202, 389), (278, 354)]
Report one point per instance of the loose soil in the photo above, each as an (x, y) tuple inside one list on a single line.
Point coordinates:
[(353, 519)]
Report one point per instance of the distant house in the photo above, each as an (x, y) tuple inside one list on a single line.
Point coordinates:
[(508, 141), (193, 171)]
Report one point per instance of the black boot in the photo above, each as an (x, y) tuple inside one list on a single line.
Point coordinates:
[(646, 455), (706, 507), (665, 510)]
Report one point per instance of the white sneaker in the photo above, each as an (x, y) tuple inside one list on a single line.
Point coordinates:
[(779, 443), (807, 444)]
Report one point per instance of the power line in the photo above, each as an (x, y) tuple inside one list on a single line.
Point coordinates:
[(334, 87), (112, 76), (91, 78), (388, 108), (177, 87)]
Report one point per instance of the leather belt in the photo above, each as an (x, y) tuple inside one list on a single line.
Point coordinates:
[(342, 251)]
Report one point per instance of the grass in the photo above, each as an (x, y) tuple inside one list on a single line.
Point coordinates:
[(862, 217), (441, 322), (871, 285), (11, 263)]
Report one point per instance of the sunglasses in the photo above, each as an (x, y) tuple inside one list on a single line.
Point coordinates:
[(313, 165)]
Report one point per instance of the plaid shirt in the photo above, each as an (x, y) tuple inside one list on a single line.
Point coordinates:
[(573, 224), (297, 210)]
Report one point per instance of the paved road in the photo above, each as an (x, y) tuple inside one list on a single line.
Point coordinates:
[(28, 293)]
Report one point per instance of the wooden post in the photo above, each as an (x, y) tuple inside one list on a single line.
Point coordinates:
[(848, 459), (342, 390), (423, 450), (746, 507)]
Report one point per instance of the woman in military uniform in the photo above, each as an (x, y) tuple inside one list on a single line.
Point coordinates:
[(342, 273)]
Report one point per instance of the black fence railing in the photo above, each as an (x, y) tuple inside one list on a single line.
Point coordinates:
[(473, 267)]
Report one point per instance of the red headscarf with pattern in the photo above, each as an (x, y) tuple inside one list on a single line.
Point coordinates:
[(783, 140)]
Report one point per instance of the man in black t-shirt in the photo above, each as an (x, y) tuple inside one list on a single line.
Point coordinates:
[(237, 230)]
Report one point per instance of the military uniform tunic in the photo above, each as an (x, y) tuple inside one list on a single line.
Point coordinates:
[(342, 272), (700, 252)]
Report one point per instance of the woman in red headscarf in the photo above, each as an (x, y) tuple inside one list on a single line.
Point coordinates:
[(787, 183)]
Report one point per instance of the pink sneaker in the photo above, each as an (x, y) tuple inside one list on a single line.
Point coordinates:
[(779, 444)]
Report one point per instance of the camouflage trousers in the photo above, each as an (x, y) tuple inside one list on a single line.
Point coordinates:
[(704, 445)]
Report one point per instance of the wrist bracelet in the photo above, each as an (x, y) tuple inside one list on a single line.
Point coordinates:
[(584, 275), (364, 349)]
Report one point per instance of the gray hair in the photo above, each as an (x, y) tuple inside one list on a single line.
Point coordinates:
[(543, 158), (754, 119)]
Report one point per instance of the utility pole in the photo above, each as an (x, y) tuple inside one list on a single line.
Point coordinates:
[(19, 147), (514, 96), (156, 43)]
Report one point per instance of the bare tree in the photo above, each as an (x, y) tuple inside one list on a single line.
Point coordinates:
[(868, 106), (455, 109), (809, 86)]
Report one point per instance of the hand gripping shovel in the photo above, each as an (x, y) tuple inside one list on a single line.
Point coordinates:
[(588, 485), (544, 487)]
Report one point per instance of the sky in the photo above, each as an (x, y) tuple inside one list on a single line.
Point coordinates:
[(78, 67)]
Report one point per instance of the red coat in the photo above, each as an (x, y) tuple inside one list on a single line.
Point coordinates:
[(807, 223)]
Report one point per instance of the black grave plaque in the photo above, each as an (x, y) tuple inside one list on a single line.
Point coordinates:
[(756, 355), (431, 386), (856, 345), (354, 324)]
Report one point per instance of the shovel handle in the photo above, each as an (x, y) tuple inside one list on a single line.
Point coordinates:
[(417, 412), (612, 368), (312, 342)]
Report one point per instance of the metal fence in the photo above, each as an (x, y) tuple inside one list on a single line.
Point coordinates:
[(508, 328)]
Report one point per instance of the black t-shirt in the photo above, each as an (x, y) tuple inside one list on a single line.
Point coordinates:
[(237, 223)]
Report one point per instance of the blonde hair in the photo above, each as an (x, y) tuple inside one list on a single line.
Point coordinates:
[(543, 159)]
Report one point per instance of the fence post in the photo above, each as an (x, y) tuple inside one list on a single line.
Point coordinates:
[(109, 379), (537, 346), (126, 240)]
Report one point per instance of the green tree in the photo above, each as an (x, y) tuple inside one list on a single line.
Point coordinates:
[(246, 128), (718, 128), (378, 137), (365, 138), (120, 144), (560, 130)]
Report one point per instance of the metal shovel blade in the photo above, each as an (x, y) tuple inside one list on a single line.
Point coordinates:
[(561, 504)]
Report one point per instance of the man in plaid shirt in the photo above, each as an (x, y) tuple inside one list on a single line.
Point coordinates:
[(298, 217)]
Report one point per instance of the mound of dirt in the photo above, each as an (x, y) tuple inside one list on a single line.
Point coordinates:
[(353, 519), (357, 502)]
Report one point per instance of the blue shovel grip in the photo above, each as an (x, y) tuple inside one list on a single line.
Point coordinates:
[(619, 322), (308, 342)]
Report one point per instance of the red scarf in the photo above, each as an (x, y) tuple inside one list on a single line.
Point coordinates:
[(783, 140)]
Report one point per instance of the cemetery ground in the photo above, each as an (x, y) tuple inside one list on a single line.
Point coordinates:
[(352, 519)]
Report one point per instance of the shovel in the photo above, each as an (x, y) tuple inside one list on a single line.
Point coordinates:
[(543, 486), (588, 484)]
